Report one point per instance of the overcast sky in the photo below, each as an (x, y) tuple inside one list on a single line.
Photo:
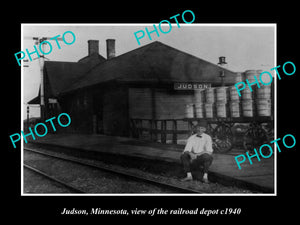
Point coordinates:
[(244, 46)]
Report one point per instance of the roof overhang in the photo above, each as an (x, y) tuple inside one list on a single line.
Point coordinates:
[(35, 101)]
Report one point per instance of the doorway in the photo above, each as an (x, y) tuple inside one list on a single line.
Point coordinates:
[(97, 114)]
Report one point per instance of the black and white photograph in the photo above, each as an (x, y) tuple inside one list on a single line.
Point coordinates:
[(150, 112), (149, 109)]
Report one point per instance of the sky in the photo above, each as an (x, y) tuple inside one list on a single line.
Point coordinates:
[(245, 46)]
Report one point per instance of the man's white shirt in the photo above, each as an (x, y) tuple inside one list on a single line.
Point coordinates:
[(199, 145)]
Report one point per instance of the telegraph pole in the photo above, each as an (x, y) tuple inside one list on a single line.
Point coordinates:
[(27, 116), (41, 58)]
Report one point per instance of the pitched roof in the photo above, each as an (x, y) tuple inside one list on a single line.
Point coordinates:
[(36, 100), (62, 75), (155, 62)]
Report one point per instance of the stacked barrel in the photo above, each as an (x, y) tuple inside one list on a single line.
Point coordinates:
[(260, 97), (223, 102), (209, 102), (263, 99), (247, 95), (195, 109), (202, 106), (234, 99), (189, 111), (198, 98), (234, 104), (213, 102)]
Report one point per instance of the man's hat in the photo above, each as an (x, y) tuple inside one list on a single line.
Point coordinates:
[(202, 123)]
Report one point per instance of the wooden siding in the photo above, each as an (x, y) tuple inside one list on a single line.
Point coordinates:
[(78, 107), (169, 104), (140, 106), (115, 111)]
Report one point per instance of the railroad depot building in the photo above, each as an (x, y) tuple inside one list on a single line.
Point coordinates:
[(111, 95)]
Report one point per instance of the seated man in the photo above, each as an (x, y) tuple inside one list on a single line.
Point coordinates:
[(197, 152)]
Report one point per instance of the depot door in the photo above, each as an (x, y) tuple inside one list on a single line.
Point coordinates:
[(98, 114)]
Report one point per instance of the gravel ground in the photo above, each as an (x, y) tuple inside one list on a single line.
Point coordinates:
[(94, 181), (88, 179), (35, 183)]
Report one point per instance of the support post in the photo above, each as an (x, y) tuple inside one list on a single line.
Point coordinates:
[(174, 128), (163, 131)]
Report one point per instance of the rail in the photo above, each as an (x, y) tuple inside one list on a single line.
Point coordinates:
[(150, 180), (52, 178)]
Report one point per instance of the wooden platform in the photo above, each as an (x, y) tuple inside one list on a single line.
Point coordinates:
[(258, 176)]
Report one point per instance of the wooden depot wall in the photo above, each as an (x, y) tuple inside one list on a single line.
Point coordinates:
[(158, 103), (107, 109)]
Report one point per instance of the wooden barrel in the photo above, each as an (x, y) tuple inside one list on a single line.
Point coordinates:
[(189, 111), (246, 93), (264, 92), (250, 74), (199, 110), (221, 109), (258, 72), (238, 78), (199, 96), (263, 107), (234, 107), (247, 106), (209, 95), (233, 93), (208, 110), (221, 94)]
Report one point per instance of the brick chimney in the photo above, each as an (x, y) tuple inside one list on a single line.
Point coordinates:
[(93, 47), (110, 48)]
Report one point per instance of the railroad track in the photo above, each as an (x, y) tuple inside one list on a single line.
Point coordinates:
[(72, 188), (117, 171)]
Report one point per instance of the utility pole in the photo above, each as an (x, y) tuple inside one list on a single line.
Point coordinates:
[(38, 41), (27, 116)]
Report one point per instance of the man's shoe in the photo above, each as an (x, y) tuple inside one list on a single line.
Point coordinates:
[(205, 180)]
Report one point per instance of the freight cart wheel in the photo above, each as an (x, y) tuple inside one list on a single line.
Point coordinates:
[(222, 138), (254, 137)]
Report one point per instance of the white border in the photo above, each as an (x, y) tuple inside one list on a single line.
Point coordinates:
[(22, 123), (274, 25)]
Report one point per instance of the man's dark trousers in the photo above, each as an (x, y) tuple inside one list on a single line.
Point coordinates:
[(203, 161)]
